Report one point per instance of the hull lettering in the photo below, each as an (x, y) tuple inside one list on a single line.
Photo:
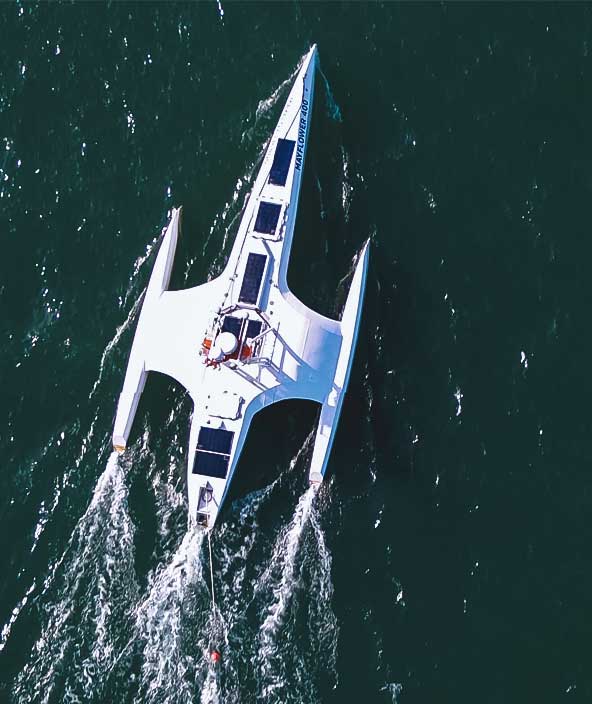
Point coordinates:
[(301, 134)]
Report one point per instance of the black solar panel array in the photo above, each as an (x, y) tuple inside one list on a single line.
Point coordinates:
[(252, 279), (213, 452), (232, 324), (211, 465), (215, 440), (281, 162), (267, 218), (253, 328)]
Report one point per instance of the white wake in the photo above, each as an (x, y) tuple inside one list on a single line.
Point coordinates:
[(87, 598), (298, 589)]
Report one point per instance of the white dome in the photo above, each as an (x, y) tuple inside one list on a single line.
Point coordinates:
[(227, 342), (216, 353)]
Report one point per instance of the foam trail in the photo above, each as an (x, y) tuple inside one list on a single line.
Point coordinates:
[(236, 540), (297, 581), (333, 110), (394, 689), (346, 187), (111, 344), (46, 511), (266, 105), (283, 561), (322, 620), (321, 203), (237, 556), (284, 554), (210, 693), (95, 580), (233, 557), (162, 621), (235, 543), (241, 185), (7, 627), (140, 261)]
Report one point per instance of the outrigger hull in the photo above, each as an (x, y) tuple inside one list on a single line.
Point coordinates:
[(283, 349)]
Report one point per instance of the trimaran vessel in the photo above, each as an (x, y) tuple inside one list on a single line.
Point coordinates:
[(243, 341)]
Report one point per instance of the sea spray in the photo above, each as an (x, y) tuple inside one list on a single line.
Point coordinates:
[(322, 622), (87, 601)]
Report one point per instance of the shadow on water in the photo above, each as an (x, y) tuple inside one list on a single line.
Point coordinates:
[(275, 435)]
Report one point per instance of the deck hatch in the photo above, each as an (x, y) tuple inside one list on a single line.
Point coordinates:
[(267, 217), (249, 292), (281, 162)]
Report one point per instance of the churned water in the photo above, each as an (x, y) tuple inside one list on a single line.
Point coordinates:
[(447, 556)]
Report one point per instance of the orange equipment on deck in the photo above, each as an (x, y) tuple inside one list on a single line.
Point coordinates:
[(206, 346)]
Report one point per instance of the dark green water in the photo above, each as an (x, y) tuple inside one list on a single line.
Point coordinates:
[(447, 558)]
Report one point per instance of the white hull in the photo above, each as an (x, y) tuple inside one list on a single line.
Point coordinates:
[(294, 351)]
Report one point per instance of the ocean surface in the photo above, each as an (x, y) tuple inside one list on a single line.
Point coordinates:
[(447, 558)]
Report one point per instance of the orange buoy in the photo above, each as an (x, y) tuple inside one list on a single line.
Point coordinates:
[(215, 656)]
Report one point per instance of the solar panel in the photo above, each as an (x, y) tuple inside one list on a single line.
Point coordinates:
[(213, 452), (215, 440), (211, 465), (232, 324), (252, 279), (253, 328), (267, 218), (281, 162)]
